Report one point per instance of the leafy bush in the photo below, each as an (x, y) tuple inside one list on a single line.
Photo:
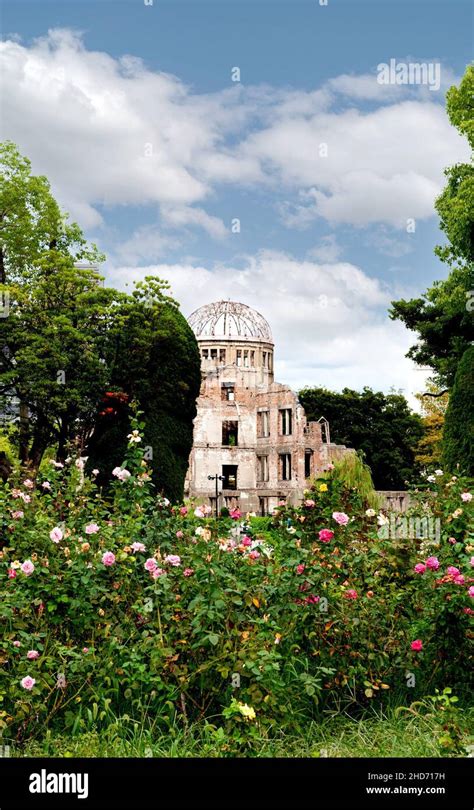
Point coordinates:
[(124, 606), (458, 434)]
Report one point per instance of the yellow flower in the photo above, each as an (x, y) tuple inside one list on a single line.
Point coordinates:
[(246, 711), (323, 487)]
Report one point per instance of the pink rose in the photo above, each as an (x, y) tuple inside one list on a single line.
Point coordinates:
[(108, 558), (236, 514), (341, 518), (472, 562), (157, 572), (300, 568), (183, 510), (417, 645), (326, 535), (138, 547), (254, 555), (351, 594), (198, 512), (453, 571), (18, 514), (173, 559), (85, 649), (459, 580), (471, 591), (466, 497), (452, 540), (27, 682), (246, 541), (32, 654), (433, 563), (309, 503), (151, 564), (180, 534), (188, 572), (56, 534), (46, 485), (121, 474), (92, 528), (11, 573), (420, 568), (17, 643), (27, 567), (28, 483)]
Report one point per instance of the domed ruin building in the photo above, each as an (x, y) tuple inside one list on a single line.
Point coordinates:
[(249, 430)]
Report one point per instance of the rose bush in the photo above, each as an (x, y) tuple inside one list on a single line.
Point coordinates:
[(137, 606)]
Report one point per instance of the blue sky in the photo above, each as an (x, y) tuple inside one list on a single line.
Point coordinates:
[(131, 112)]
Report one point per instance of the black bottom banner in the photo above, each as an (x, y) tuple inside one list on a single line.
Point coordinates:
[(234, 784)]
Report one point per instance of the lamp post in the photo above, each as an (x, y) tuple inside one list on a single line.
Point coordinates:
[(216, 478)]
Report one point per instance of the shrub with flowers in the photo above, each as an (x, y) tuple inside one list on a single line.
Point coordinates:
[(134, 604)]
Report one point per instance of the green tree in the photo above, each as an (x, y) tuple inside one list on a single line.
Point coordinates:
[(455, 205), (381, 426), (53, 340), (50, 325), (68, 341), (154, 360), (443, 315), (458, 438), (31, 221), (433, 403)]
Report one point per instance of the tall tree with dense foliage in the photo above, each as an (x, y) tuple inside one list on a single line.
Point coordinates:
[(68, 343), (31, 221), (154, 360), (443, 317), (382, 426), (434, 403), (458, 440), (55, 312), (53, 341)]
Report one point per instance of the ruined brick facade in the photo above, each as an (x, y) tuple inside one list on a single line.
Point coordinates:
[(250, 430)]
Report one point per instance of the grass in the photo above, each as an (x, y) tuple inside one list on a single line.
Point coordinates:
[(383, 735)]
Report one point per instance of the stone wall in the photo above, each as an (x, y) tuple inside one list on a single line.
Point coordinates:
[(394, 500)]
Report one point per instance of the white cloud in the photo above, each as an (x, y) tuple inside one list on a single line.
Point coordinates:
[(366, 87), (390, 245), (109, 131), (180, 217), (106, 131), (329, 320), (146, 242), (327, 250), (385, 165)]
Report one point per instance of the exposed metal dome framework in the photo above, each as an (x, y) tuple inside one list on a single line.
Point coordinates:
[(227, 320)]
